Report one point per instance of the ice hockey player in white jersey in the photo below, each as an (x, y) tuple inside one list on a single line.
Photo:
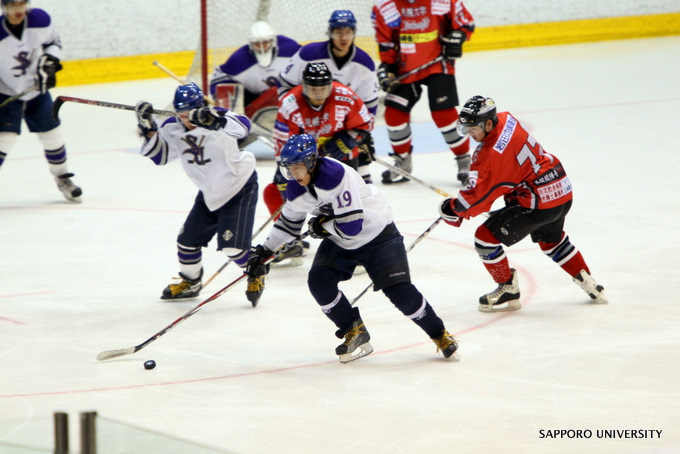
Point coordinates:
[(204, 140), (256, 67), (354, 221), (29, 60), (349, 64)]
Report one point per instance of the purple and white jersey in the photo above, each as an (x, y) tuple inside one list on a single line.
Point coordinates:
[(211, 159), (19, 57), (360, 211), (358, 72), (242, 67)]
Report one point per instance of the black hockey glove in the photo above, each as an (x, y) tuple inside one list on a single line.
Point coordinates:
[(145, 122), (386, 75), (256, 266), (47, 68), (316, 230), (448, 215), (208, 117), (365, 142), (452, 45), (340, 146)]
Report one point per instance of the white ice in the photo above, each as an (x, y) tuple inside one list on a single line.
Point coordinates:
[(79, 279)]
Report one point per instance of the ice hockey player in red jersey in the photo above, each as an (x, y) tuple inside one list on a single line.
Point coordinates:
[(412, 34), (510, 163)]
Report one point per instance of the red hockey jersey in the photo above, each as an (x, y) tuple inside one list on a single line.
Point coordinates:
[(510, 161), (408, 32), (342, 111)]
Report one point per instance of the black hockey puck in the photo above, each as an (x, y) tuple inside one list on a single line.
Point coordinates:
[(150, 364)]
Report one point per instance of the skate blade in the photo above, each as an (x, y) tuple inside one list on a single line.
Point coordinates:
[(505, 307), (361, 351), (288, 263), (599, 299)]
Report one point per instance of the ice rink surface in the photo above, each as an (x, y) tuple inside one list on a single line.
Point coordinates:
[(79, 279)]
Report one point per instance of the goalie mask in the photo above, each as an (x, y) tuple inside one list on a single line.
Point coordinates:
[(476, 111), (262, 42), (300, 149)]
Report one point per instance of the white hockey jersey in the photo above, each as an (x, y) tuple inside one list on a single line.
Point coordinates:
[(19, 57), (360, 211), (358, 72), (211, 159)]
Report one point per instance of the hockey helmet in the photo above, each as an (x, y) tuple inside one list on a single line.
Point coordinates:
[(262, 42), (342, 18), (317, 74), (188, 97), (475, 112), (299, 149)]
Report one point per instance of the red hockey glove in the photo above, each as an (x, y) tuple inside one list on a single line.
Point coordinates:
[(448, 215)]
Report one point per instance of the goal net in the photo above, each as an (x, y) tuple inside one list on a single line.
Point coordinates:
[(225, 25)]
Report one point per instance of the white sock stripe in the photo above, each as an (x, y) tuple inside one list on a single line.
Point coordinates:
[(328, 307), (420, 312)]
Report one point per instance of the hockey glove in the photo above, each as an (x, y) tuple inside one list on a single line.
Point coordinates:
[(365, 142), (340, 146), (452, 45), (145, 122), (316, 229), (256, 266), (47, 68), (208, 117), (386, 77), (448, 215)]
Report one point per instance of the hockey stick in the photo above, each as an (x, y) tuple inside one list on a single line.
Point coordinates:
[(271, 218), (258, 131), (60, 100), (410, 176), (15, 97), (410, 248), (110, 354), (419, 68)]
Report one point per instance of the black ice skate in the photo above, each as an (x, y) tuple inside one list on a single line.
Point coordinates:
[(405, 164), (447, 344), (255, 289), (356, 342), (185, 288), (504, 298), (291, 255), (588, 284), (70, 191)]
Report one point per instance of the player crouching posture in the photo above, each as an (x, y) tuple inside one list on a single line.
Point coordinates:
[(354, 221), (509, 162), (204, 139)]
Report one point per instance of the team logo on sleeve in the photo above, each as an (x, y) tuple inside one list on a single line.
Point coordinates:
[(195, 149)]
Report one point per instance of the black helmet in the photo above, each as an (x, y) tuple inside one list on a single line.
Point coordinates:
[(475, 112), (317, 74)]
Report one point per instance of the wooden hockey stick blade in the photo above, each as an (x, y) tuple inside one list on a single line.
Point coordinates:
[(60, 100), (168, 72), (110, 354)]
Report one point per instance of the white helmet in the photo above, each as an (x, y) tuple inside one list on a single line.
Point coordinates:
[(262, 41)]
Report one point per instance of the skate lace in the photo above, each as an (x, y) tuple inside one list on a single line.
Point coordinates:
[(179, 287), (256, 285), (444, 342), (353, 334)]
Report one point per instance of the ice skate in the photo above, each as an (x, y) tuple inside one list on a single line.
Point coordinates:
[(463, 162), (356, 342), (405, 164), (290, 256), (70, 191), (255, 289), (504, 298), (447, 344), (185, 288), (588, 284)]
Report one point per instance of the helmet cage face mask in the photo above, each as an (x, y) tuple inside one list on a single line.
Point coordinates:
[(262, 42)]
